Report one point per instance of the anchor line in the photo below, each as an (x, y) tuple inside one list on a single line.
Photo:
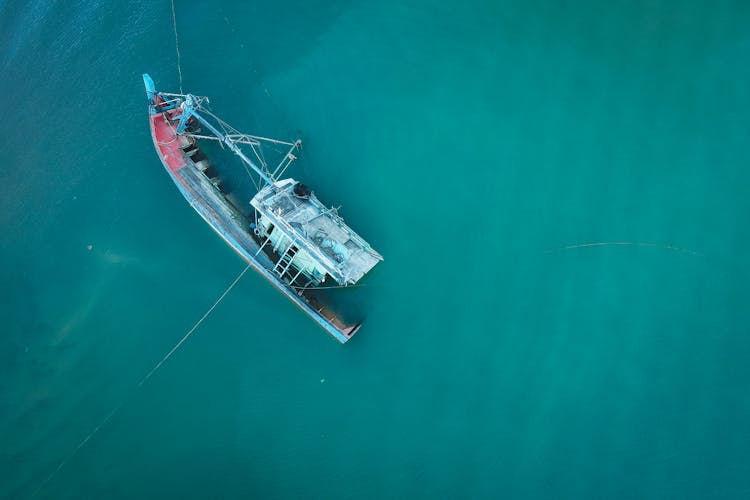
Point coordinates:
[(195, 326), (177, 45), (158, 365)]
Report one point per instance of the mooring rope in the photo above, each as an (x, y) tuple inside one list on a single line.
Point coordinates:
[(140, 384), (626, 243), (177, 45), (195, 326)]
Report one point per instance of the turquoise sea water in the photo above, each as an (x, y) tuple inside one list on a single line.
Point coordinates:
[(470, 143)]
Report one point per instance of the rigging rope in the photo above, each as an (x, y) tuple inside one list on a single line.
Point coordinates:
[(177, 45), (140, 384), (227, 129)]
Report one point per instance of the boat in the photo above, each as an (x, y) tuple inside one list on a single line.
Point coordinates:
[(287, 234)]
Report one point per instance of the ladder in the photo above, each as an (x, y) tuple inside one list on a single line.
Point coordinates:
[(285, 262)]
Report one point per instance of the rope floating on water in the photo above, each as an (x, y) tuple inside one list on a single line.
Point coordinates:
[(177, 45), (195, 326), (626, 243), (77, 448), (140, 384)]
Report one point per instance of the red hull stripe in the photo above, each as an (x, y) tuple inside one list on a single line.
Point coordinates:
[(167, 143)]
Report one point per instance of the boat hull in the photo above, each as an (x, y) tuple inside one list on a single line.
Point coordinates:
[(229, 223)]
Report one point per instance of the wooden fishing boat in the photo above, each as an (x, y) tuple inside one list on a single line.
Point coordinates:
[(292, 239)]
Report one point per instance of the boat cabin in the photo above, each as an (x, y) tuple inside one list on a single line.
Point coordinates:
[(311, 240)]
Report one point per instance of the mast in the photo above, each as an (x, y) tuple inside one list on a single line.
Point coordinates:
[(191, 107), (189, 110)]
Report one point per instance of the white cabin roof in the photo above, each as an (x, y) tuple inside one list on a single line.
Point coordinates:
[(295, 210)]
